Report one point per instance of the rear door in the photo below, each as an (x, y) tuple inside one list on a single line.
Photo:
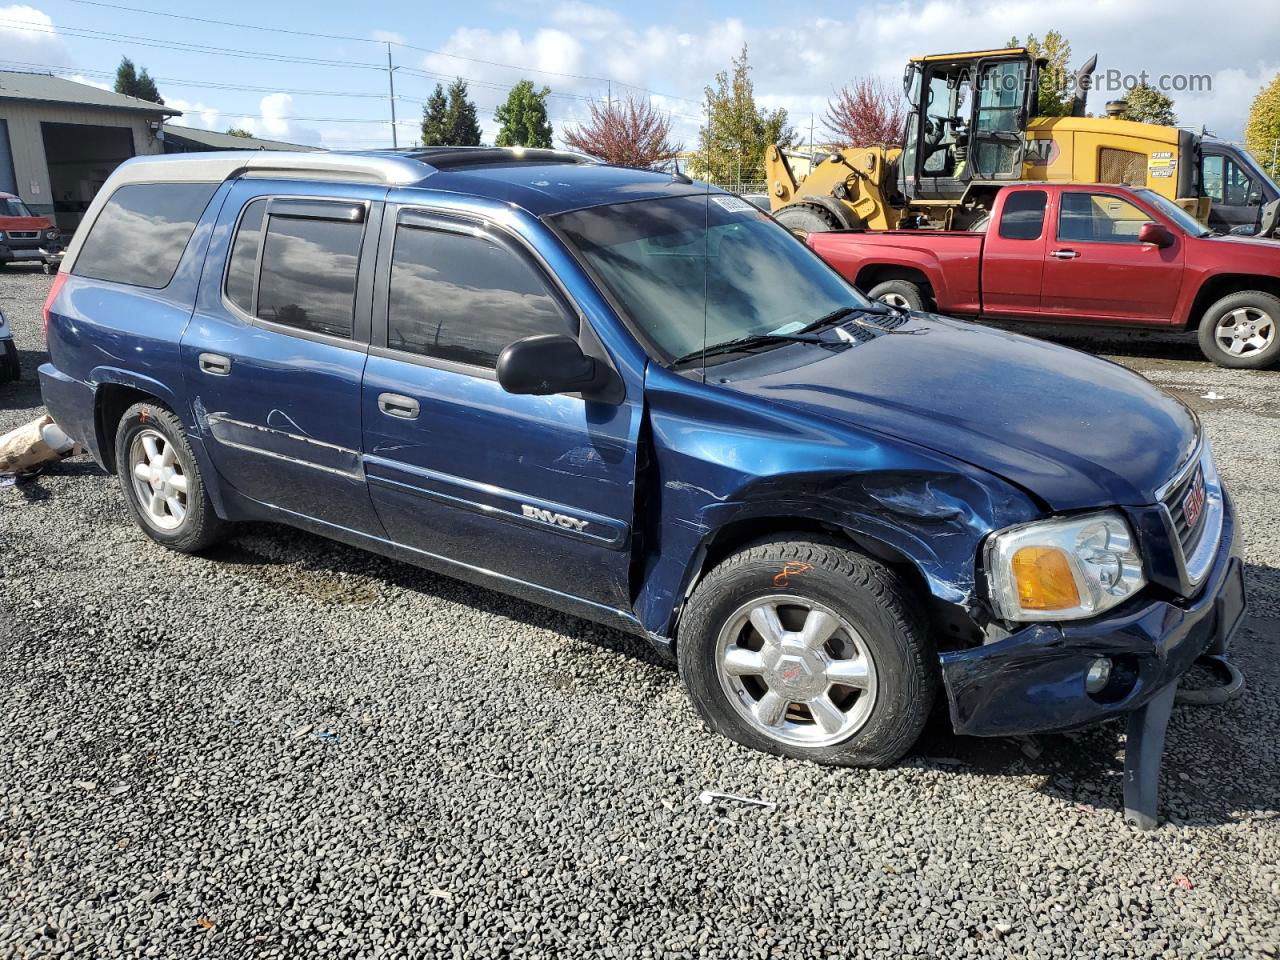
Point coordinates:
[(1013, 254), (1097, 271), (532, 489), (275, 352)]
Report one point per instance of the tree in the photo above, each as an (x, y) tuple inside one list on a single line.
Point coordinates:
[(462, 127), (1057, 82), (1145, 104), (134, 84), (732, 144), (522, 120), (630, 132), (238, 132), (436, 129), (1262, 131), (866, 112)]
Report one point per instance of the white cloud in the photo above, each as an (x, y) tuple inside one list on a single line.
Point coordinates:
[(386, 36), (799, 65), (28, 35), (195, 114)]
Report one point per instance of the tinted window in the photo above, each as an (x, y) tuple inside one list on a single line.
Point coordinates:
[(309, 274), (464, 298), (1099, 217), (1023, 216), (244, 256), (140, 234)]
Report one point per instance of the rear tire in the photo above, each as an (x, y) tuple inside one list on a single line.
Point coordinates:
[(899, 293), (1242, 331), (802, 218), (842, 672), (161, 480)]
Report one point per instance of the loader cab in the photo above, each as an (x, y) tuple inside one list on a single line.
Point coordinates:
[(968, 121)]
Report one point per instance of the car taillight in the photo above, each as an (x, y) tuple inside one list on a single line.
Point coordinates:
[(58, 281)]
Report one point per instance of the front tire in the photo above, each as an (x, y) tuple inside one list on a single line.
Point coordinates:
[(1242, 331), (809, 650), (161, 480)]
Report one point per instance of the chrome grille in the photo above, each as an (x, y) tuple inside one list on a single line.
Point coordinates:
[(24, 234), (1193, 506), (1188, 497)]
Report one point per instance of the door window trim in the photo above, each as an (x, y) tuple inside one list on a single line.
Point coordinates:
[(1131, 201), (469, 223), (301, 206)]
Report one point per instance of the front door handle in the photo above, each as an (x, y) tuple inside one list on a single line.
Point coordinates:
[(1064, 254), (215, 364), (394, 405)]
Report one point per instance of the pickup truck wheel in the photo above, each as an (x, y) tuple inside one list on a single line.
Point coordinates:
[(161, 480), (898, 293), (1242, 330), (809, 650)]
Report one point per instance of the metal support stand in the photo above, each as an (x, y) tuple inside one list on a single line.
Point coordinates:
[(1142, 756)]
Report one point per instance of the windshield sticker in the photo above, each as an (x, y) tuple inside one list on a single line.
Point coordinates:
[(733, 204)]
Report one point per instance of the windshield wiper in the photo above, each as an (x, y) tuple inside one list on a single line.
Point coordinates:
[(755, 340)]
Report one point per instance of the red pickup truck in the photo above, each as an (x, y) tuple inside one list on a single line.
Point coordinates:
[(1089, 254)]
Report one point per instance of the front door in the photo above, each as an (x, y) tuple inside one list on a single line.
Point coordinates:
[(532, 489), (1096, 270), (275, 352)]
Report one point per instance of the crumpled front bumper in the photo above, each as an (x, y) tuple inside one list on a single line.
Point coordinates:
[(1034, 680)]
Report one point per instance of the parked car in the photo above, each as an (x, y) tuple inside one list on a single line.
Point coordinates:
[(640, 400), (24, 236), (9, 367), (1102, 255)]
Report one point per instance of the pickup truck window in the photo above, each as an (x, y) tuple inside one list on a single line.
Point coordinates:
[(705, 266), (1099, 218), (464, 298), (1023, 215)]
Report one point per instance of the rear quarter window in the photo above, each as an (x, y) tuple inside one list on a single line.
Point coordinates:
[(141, 233)]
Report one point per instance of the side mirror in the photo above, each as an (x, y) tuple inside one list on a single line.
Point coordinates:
[(546, 364), (1155, 233)]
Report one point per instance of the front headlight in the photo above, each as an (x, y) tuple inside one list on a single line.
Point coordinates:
[(1064, 569), (51, 234)]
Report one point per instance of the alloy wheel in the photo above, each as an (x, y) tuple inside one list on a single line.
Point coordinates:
[(158, 479), (1244, 331), (796, 671)]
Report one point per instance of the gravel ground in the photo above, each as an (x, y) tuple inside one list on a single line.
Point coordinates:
[(293, 748)]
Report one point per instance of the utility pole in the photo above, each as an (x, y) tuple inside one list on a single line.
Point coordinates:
[(391, 83), (611, 95), (811, 134)]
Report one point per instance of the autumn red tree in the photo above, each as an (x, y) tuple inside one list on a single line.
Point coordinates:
[(864, 113), (629, 132)]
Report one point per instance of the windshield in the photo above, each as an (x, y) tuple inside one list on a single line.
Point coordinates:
[(705, 265), (1174, 212), (13, 207)]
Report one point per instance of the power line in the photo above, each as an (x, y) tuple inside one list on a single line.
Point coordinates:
[(397, 43)]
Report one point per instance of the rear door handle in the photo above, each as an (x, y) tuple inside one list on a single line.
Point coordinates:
[(394, 405), (215, 364), (1064, 254)]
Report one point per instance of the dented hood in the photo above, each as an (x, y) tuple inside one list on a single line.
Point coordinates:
[(1069, 428)]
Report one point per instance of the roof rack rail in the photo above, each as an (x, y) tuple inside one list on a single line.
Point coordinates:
[(444, 158)]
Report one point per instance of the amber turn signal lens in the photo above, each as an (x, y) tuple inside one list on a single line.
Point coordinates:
[(1044, 579)]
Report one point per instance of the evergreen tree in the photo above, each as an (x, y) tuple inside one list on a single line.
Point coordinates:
[(436, 130), (732, 144), (523, 118), (134, 84), (1145, 104), (463, 127), (1262, 131)]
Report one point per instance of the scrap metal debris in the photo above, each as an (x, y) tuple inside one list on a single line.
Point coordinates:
[(26, 449), (709, 797)]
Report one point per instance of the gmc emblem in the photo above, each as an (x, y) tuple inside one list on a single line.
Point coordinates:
[(1193, 502)]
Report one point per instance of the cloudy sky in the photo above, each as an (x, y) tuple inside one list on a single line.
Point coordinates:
[(331, 90)]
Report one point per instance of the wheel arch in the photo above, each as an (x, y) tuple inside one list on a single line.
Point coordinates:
[(1222, 285), (111, 399), (876, 273)]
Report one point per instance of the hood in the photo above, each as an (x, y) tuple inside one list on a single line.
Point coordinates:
[(24, 223), (1069, 428)]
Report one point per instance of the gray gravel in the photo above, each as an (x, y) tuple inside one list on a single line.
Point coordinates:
[(292, 748)]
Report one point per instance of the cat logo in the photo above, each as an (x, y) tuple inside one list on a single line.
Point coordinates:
[(556, 519)]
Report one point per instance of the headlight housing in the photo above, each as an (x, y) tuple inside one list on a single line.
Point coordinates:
[(1065, 569), (51, 234)]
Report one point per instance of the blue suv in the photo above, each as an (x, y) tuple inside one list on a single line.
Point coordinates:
[(638, 399)]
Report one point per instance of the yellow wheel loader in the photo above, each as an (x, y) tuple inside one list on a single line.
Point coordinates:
[(973, 127)]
